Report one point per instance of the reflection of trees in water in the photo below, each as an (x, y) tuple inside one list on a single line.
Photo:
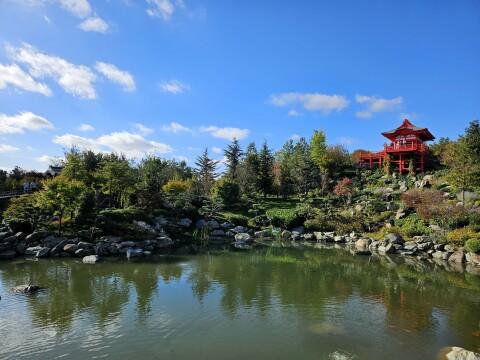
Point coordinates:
[(260, 280)]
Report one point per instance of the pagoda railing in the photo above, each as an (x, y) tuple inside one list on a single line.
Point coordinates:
[(407, 146)]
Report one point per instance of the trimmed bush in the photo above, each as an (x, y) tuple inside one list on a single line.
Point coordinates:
[(228, 192), (412, 225), (473, 245)]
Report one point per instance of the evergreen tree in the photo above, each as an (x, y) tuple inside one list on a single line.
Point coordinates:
[(265, 174), (233, 154), (303, 167), (286, 181), (249, 170), (472, 139), (206, 172)]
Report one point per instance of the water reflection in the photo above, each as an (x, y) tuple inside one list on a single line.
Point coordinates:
[(328, 293)]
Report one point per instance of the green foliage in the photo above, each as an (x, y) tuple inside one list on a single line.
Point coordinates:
[(461, 235), (473, 245), (228, 192), (413, 225), (211, 208), (285, 218), (233, 154), (124, 215), (318, 150), (61, 196), (249, 171), (175, 187), (23, 213), (236, 219), (385, 230), (265, 170), (206, 172)]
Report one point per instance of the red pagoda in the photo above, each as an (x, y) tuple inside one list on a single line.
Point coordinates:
[(407, 144)]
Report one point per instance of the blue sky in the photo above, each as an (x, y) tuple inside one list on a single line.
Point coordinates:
[(172, 77)]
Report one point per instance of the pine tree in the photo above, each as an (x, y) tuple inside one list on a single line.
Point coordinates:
[(303, 165), (206, 172), (233, 154), (265, 175), (249, 170)]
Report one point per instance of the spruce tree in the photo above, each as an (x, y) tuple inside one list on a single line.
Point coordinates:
[(286, 181), (249, 170), (206, 172), (233, 154), (265, 175)]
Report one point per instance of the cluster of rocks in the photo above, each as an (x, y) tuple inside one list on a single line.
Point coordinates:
[(43, 244)]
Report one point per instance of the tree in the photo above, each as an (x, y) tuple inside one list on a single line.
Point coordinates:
[(233, 154), (472, 139), (117, 179), (227, 191), (344, 189), (23, 213), (249, 170), (304, 169), (61, 196), (387, 165), (265, 170), (285, 160), (319, 156), (206, 172)]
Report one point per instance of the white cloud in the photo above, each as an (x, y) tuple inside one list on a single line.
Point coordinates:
[(174, 87), (76, 80), (14, 76), (49, 160), (79, 8), (217, 150), (95, 24), (294, 113), (47, 19), (4, 148), (132, 145), (163, 9), (111, 72), (376, 104), (142, 129), (311, 101), (227, 133), (86, 127), (295, 137), (24, 121), (176, 128)]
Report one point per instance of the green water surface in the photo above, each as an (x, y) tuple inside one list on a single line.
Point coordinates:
[(270, 303)]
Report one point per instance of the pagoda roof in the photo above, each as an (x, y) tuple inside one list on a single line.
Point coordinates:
[(407, 128)]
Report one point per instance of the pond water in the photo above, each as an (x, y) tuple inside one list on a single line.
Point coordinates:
[(270, 303)]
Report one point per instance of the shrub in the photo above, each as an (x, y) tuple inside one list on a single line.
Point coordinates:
[(380, 234), (344, 189), (425, 202), (22, 213), (228, 192), (412, 225), (473, 245), (286, 218), (124, 215), (462, 235), (319, 224), (176, 186)]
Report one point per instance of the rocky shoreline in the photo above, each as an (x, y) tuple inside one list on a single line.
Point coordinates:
[(41, 244)]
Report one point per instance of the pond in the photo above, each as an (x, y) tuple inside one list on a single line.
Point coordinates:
[(269, 303)]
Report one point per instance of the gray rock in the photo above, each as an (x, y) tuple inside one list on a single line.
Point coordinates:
[(200, 224), (4, 234), (21, 247), (164, 242), (70, 248), (243, 237), (218, 233), (286, 235), (32, 251), (410, 246), (386, 249), (240, 229), (439, 247), (133, 253), (57, 249), (186, 222), (458, 353), (213, 224), (441, 255), (127, 244), (457, 257), (7, 255), (263, 234), (84, 245), (473, 258), (83, 252), (299, 229), (43, 252), (308, 237), (91, 259), (400, 214), (394, 238), (52, 240), (339, 239), (363, 243)]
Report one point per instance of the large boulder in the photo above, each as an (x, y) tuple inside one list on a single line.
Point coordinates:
[(70, 248), (239, 229), (36, 250), (52, 241), (243, 237), (386, 249), (218, 233), (164, 242), (286, 235), (457, 257), (84, 252), (186, 222), (394, 238), (91, 259), (57, 249), (43, 252), (458, 353), (473, 258), (26, 289), (363, 243), (263, 234)]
